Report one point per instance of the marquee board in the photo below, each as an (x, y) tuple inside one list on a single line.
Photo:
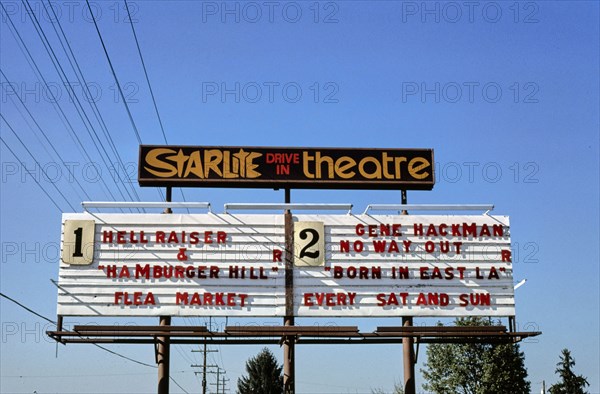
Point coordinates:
[(234, 265)]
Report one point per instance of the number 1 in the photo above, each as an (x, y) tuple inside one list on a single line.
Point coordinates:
[(78, 235)]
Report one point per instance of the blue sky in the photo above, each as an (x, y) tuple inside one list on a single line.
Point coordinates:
[(506, 93)]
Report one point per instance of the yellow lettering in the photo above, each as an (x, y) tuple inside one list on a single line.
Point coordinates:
[(152, 158), (306, 159), (227, 166), (421, 164), (385, 160), (374, 175), (343, 164), (239, 163), (180, 159), (319, 161), (212, 159), (397, 162), (251, 167), (194, 165)]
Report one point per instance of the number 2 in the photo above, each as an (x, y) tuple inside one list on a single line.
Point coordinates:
[(309, 241), (314, 240)]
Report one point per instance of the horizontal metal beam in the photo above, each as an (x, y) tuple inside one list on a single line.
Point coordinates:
[(303, 334), (291, 330), (87, 328), (135, 204), (284, 206), (436, 329), (249, 340), (429, 207)]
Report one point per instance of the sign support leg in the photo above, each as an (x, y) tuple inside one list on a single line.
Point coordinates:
[(163, 350), (289, 386), (408, 351), (163, 358), (409, 359)]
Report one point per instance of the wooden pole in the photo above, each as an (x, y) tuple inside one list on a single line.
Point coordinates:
[(163, 358), (204, 369), (409, 359), (288, 341), (163, 349), (408, 351)]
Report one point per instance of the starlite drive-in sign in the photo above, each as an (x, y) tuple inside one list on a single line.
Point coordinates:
[(279, 167), (235, 265)]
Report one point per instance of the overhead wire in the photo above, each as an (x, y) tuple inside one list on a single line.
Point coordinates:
[(33, 64), (95, 344), (137, 44), (76, 102), (49, 142), (62, 116), (114, 74), (57, 65), (34, 159), (36, 181), (83, 82)]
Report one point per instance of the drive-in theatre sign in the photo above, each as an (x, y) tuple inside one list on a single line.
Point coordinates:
[(276, 167), (234, 265), (287, 265)]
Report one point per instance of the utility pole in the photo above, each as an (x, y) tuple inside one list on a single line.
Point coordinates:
[(223, 384), (204, 366), (218, 378)]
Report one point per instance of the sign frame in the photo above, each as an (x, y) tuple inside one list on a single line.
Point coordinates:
[(286, 167)]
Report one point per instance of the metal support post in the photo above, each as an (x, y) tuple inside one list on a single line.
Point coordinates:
[(163, 358), (408, 359), (288, 341), (59, 325), (163, 349), (168, 199), (408, 351)]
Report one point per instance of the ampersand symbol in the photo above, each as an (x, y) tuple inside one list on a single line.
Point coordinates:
[(181, 256)]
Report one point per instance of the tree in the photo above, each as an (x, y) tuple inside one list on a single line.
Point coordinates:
[(264, 375), (570, 383), (475, 368)]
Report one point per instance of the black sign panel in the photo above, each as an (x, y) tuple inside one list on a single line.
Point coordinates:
[(275, 167)]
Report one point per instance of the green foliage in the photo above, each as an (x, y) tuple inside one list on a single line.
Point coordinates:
[(475, 368), (264, 375), (569, 382)]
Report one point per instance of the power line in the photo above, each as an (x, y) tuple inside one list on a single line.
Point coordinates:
[(76, 68), (44, 190), (112, 69), (33, 157), (45, 135), (137, 44), (76, 103), (33, 64), (26, 308), (178, 385), (95, 344)]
